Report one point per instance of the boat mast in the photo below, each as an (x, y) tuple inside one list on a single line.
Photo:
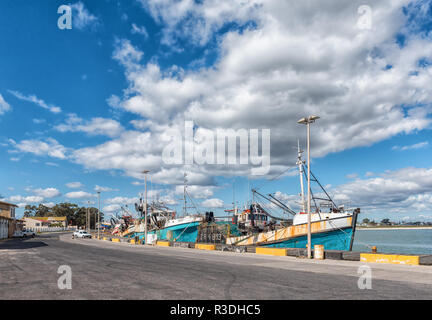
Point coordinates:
[(184, 194), (300, 164)]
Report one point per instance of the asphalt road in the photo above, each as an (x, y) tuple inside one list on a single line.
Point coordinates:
[(102, 270)]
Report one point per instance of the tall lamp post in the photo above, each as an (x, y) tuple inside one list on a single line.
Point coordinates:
[(145, 206), (307, 121), (98, 214)]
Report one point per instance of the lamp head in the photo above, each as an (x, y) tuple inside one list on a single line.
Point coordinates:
[(303, 121)]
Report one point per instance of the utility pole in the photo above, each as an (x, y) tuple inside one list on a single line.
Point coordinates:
[(307, 121), (98, 227), (88, 216), (145, 206)]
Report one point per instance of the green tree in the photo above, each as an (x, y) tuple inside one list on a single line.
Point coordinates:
[(366, 220), (67, 210), (385, 221), (81, 215), (39, 211)]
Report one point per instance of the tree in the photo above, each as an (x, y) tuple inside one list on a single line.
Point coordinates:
[(67, 210), (366, 220), (385, 221), (81, 215), (33, 211)]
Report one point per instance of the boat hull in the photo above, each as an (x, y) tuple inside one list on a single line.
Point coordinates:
[(185, 232), (332, 240), (334, 234)]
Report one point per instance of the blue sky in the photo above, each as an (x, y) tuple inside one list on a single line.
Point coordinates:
[(93, 106)]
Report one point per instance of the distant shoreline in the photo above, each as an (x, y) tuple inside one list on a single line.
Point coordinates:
[(393, 228)]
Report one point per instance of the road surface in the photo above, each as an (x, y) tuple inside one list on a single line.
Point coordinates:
[(105, 270)]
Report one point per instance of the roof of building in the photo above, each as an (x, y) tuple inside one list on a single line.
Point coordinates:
[(47, 218), (9, 204)]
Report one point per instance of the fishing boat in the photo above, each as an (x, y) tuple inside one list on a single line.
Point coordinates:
[(331, 225), (163, 224)]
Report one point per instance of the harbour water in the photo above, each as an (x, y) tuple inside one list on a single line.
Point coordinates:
[(404, 241)]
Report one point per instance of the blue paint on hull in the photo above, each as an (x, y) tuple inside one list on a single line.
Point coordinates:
[(332, 240), (186, 232)]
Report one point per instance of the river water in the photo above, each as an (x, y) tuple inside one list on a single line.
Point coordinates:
[(405, 241)]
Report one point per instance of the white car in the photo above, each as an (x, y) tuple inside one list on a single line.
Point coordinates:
[(81, 234), (24, 234)]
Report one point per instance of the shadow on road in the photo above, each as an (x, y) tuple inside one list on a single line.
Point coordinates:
[(15, 244)]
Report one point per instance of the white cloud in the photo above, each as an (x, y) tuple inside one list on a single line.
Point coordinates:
[(122, 200), (103, 189), (26, 200), (4, 106), (48, 204), (295, 62), (74, 185), (196, 22), (412, 147), (300, 59), (49, 147), (47, 193), (139, 30), (352, 175), (96, 126), (111, 208), (79, 195), (404, 190), (212, 203), (82, 18), (37, 101)]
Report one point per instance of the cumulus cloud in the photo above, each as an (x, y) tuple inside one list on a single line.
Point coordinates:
[(49, 147), (47, 193), (82, 18), (95, 126), (4, 106), (294, 62), (412, 147), (139, 30), (23, 200), (395, 191), (122, 200), (103, 189), (196, 21), (297, 59), (74, 185), (37, 101), (79, 195), (212, 203)]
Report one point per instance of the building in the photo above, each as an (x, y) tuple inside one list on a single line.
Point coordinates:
[(7, 210), (8, 223), (42, 222)]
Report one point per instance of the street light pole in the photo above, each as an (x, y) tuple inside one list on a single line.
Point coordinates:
[(88, 217), (98, 215), (145, 206), (307, 121)]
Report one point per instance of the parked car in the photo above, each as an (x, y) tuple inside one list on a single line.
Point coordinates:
[(81, 234), (23, 234)]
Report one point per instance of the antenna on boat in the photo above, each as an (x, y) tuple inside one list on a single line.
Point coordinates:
[(300, 163), (184, 194)]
